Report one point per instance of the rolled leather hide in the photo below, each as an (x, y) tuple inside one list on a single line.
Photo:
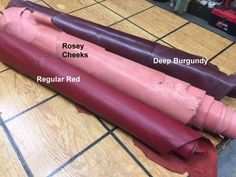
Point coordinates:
[(171, 96), (167, 137), (208, 78)]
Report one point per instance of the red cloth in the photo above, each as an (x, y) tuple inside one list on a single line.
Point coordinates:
[(230, 15)]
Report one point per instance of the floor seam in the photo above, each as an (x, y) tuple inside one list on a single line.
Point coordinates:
[(175, 30), (167, 43), (72, 159), (222, 51), (83, 8), (47, 4), (127, 20), (5, 70), (16, 149), (125, 148), (102, 122), (31, 108), (131, 154)]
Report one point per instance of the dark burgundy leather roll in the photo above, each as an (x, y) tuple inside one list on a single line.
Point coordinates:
[(163, 134), (209, 78)]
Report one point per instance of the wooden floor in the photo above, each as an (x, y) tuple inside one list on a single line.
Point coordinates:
[(42, 134)]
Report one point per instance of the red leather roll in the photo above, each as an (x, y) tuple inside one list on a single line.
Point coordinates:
[(165, 136), (194, 106), (208, 78)]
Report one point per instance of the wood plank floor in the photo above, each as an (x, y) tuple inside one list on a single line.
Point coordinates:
[(41, 132)]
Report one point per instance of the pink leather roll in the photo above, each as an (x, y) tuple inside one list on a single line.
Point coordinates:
[(167, 137), (171, 96), (208, 78)]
